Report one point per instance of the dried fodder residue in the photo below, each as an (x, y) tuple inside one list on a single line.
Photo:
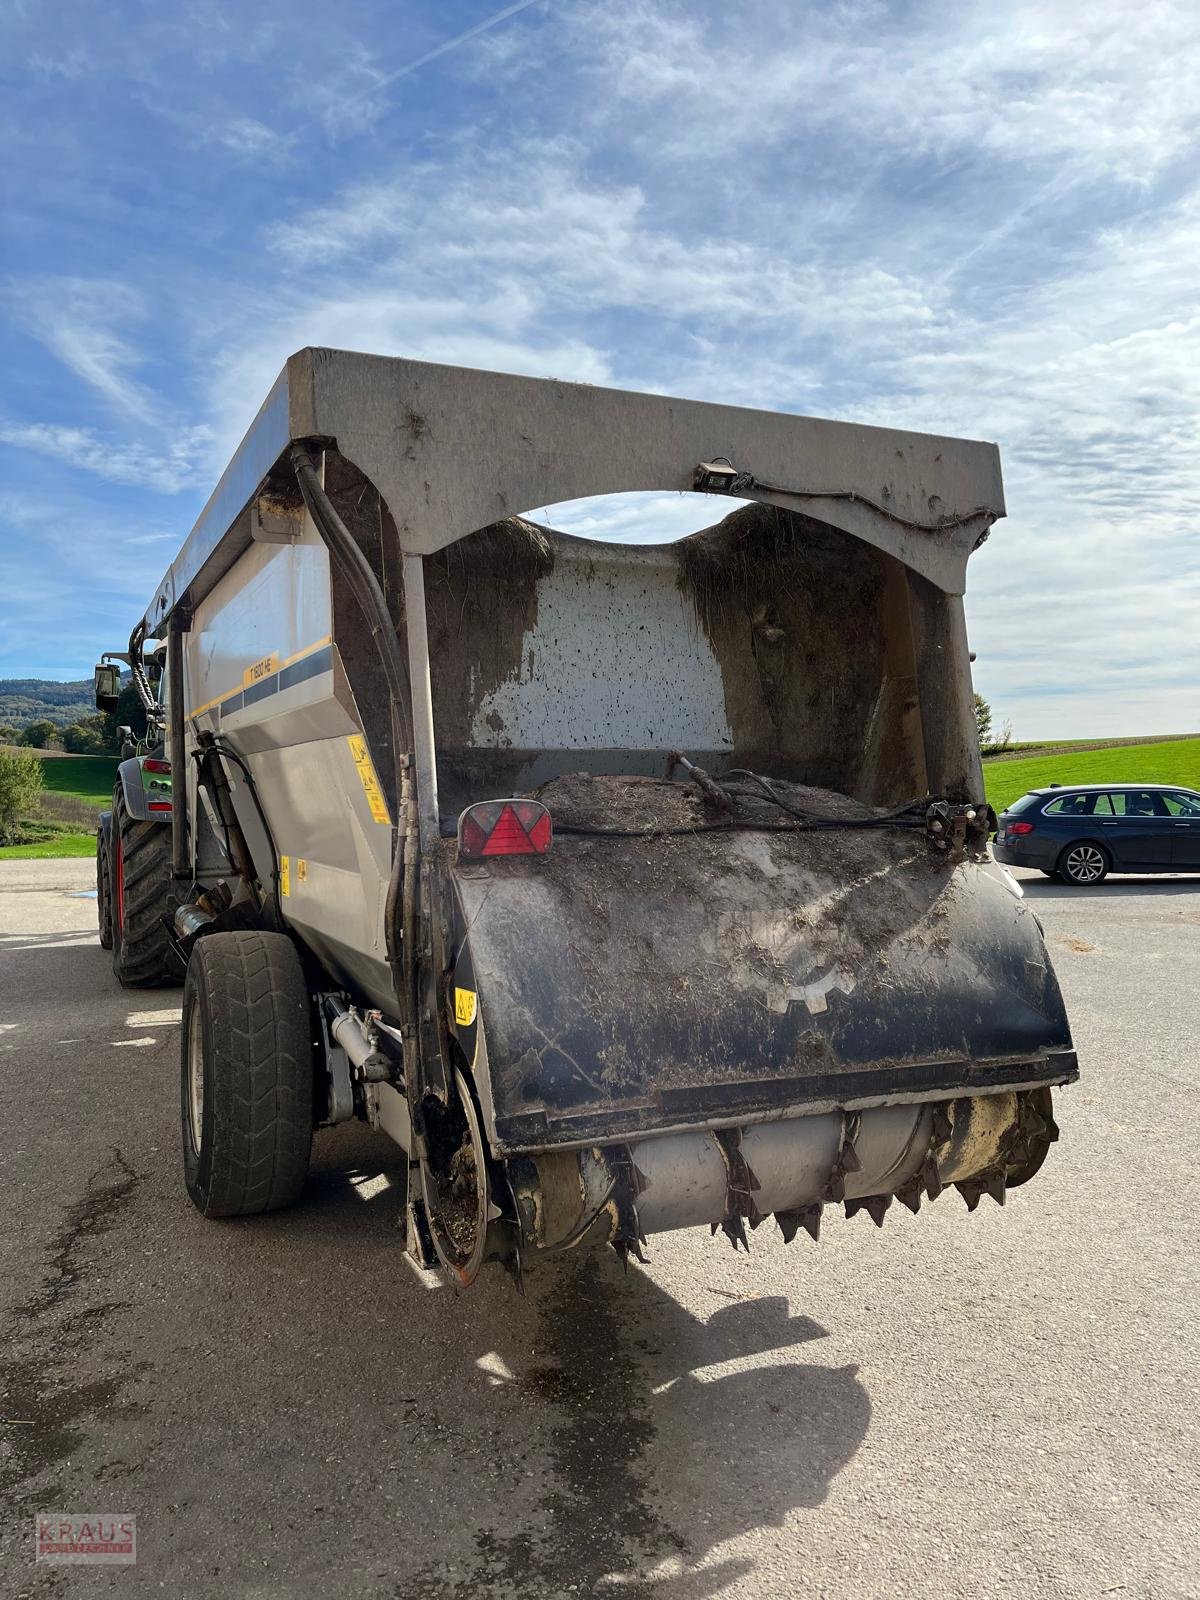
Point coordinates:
[(792, 610), (481, 602)]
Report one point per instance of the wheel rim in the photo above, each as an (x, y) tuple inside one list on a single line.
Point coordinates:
[(1085, 863), (120, 877), (462, 1258), (195, 1083)]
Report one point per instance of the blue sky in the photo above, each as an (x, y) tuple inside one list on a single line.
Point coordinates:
[(977, 219)]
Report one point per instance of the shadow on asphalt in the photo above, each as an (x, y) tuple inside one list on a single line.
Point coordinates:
[(640, 1406), (1040, 888), (653, 1434)]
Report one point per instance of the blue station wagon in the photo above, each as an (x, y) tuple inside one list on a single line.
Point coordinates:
[(1081, 834)]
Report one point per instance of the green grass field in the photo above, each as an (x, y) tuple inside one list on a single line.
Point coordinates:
[(90, 779), (1177, 761), (55, 846), (87, 780)]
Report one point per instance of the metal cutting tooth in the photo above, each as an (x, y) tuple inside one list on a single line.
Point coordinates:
[(996, 1185), (911, 1193), (932, 1178), (789, 1224), (971, 1189), (806, 1217), (734, 1230), (626, 1245), (875, 1205)]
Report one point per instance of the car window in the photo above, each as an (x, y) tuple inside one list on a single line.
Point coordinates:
[(1071, 805), (1137, 803), (1023, 804), (1182, 805)]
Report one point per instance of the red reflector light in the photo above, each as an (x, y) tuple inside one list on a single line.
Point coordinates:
[(503, 828), (153, 764), (1019, 827), (158, 805)]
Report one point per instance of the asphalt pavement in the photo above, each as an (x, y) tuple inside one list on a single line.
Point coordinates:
[(958, 1405)]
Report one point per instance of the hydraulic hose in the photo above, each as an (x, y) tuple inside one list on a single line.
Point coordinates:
[(367, 590)]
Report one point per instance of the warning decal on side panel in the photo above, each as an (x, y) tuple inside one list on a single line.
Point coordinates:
[(366, 773), (465, 1005), (285, 875)]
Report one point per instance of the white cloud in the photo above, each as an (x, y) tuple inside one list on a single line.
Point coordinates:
[(177, 466), (979, 219), (1109, 87), (245, 136), (78, 320)]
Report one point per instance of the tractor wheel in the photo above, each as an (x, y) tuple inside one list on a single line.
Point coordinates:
[(246, 1074), (103, 898), (140, 893)]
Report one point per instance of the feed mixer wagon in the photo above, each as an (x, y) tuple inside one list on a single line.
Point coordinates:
[(626, 886)]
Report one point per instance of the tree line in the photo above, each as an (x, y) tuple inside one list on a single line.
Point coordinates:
[(90, 735)]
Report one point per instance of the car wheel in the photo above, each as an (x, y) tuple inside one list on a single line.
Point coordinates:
[(1083, 863)]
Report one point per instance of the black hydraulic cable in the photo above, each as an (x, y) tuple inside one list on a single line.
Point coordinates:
[(738, 825), (741, 482), (367, 590), (223, 750), (137, 668), (766, 788), (366, 587)]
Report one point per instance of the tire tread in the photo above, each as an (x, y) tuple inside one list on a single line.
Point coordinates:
[(259, 1071)]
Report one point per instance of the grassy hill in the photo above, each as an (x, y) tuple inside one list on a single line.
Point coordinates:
[(1138, 761), (26, 700), (75, 788)]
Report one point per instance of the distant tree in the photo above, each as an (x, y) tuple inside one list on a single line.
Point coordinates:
[(20, 785), (40, 735), (87, 737), (129, 713), (983, 720), (8, 735)]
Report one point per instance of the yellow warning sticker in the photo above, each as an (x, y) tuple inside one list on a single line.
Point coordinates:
[(366, 773), (258, 670), (301, 870), (465, 1007), (285, 875)]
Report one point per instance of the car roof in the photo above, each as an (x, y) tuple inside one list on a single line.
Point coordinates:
[(1112, 788)]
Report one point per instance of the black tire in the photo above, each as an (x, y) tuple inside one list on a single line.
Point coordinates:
[(140, 892), (103, 901), (247, 1032), (1084, 863)]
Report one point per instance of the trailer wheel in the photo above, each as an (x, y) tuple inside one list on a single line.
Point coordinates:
[(140, 892), (103, 899), (246, 1074)]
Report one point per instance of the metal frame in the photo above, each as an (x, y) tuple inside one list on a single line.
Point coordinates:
[(451, 450)]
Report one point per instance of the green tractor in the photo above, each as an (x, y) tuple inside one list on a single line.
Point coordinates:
[(133, 848)]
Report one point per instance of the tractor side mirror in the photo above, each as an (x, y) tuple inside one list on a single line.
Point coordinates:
[(108, 686)]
